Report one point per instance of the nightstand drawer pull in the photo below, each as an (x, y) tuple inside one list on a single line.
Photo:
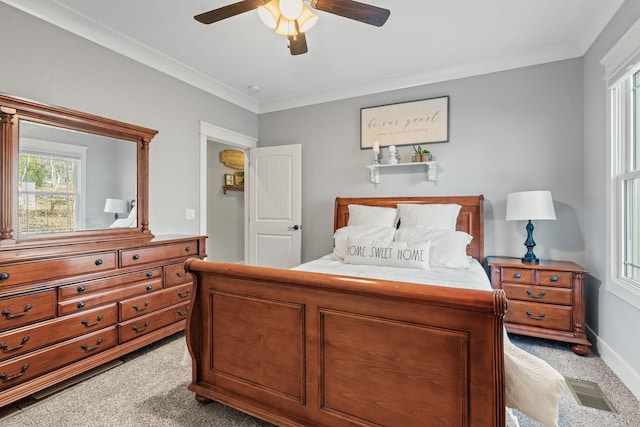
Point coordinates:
[(185, 294), (554, 278), (538, 317), (540, 295), (7, 313), (6, 379), (182, 313), (86, 347), (6, 349), (143, 308), (517, 275), (180, 274), (89, 325), (138, 329)]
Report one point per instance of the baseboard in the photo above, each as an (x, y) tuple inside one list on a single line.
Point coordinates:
[(626, 373)]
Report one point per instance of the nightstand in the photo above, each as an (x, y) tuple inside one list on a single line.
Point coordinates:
[(544, 300)]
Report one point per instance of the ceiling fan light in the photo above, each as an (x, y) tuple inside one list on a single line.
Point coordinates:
[(291, 9), (270, 13), (286, 27), (306, 20)]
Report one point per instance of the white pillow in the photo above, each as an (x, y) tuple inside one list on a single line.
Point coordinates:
[(373, 216), (358, 232), (448, 248), (437, 216), (388, 253)]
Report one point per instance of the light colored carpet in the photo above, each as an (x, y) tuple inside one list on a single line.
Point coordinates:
[(150, 389)]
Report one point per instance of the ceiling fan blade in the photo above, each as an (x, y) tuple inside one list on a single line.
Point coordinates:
[(361, 12), (225, 12), (298, 44)]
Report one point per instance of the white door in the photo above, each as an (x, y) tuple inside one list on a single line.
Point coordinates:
[(275, 199)]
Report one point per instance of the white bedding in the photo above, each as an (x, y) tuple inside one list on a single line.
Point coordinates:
[(532, 386)]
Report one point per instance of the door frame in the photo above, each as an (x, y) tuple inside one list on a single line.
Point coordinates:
[(210, 132)]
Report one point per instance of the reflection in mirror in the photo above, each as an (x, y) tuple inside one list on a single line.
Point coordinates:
[(65, 178)]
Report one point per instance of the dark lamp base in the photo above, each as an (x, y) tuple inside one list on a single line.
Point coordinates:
[(530, 260)]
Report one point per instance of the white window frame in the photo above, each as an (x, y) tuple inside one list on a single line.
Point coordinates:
[(68, 150), (621, 62)]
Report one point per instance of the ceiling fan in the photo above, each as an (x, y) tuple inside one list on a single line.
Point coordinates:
[(293, 18)]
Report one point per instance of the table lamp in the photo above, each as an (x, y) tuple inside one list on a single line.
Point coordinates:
[(116, 206), (530, 205)]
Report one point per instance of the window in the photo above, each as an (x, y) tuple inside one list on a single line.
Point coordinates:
[(622, 65), (49, 187)]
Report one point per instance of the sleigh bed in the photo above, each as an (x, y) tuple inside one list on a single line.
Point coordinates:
[(303, 348)]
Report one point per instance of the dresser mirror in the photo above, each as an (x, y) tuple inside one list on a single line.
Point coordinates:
[(68, 175)]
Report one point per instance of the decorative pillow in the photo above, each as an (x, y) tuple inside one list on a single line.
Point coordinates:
[(373, 216), (388, 253), (436, 216), (358, 232), (448, 248)]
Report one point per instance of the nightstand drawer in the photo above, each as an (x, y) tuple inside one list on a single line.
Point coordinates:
[(538, 294), (541, 315), (555, 278), (517, 275)]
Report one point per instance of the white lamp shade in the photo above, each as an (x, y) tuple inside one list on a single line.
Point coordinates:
[(116, 206), (526, 205), (270, 13)]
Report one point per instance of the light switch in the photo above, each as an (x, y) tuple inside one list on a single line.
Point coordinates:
[(190, 214)]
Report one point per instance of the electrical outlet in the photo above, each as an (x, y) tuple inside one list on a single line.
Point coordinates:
[(190, 214)]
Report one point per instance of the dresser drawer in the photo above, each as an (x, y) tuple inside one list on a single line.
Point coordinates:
[(138, 306), (143, 325), (27, 308), (541, 315), (556, 278), (175, 274), (78, 289), (111, 295), (20, 369), (36, 271), (543, 294), (517, 275), (131, 257), (29, 338)]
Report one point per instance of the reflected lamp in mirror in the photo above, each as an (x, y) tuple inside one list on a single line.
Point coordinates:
[(528, 206), (116, 206)]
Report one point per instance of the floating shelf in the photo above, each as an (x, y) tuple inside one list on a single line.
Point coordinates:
[(226, 188), (431, 169)]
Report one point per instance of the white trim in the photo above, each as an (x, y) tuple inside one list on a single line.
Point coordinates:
[(229, 137), (625, 52), (626, 373)]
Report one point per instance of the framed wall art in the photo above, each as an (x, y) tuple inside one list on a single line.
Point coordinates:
[(408, 123)]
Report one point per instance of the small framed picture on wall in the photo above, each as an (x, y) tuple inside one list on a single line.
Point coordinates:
[(228, 179)]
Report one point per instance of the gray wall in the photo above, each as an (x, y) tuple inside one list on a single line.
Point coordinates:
[(49, 65), (510, 131), (613, 320)]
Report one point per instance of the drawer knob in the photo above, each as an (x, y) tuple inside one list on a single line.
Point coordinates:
[(6, 349), (135, 257), (540, 295), (517, 275), (140, 329), (89, 325), (143, 308), (149, 288), (149, 274), (7, 313), (4, 276), (86, 347), (6, 378), (187, 249), (554, 278), (98, 261), (81, 304), (538, 317), (81, 289)]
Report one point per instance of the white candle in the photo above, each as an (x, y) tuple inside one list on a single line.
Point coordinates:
[(376, 146)]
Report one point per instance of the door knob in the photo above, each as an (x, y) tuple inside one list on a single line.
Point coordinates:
[(294, 228)]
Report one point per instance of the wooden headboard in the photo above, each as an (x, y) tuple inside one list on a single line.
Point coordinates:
[(470, 219)]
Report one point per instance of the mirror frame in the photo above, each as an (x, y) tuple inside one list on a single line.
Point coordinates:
[(12, 110)]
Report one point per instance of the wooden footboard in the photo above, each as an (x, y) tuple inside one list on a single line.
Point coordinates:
[(309, 349)]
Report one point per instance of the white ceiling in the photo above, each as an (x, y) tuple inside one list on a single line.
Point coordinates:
[(422, 42)]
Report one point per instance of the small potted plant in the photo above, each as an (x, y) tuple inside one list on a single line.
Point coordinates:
[(425, 156), (417, 154)]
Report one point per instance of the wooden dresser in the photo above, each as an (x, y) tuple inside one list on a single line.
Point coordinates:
[(544, 300), (67, 309)]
